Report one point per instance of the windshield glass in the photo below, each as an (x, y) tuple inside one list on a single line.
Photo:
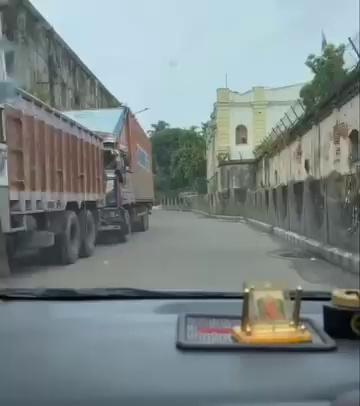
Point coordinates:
[(179, 145)]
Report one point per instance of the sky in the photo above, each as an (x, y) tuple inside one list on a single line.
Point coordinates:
[(171, 55)]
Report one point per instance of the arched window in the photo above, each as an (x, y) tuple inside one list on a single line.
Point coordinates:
[(241, 134)]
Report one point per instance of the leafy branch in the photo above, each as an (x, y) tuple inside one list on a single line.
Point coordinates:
[(330, 77)]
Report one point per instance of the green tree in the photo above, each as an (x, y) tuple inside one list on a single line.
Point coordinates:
[(204, 128), (164, 144), (329, 73), (179, 158), (189, 161), (158, 127)]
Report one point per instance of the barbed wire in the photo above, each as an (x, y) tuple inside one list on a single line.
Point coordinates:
[(351, 55), (297, 109)]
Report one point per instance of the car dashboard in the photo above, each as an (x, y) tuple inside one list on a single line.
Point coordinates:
[(119, 352)]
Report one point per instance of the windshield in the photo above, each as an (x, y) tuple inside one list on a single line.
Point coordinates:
[(177, 145)]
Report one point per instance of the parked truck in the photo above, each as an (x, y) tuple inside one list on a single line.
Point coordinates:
[(129, 189), (62, 183)]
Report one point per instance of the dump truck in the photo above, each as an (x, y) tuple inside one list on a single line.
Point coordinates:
[(61, 184)]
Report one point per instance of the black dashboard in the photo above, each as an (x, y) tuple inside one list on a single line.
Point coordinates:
[(123, 352)]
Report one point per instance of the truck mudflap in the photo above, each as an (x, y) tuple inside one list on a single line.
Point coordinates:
[(4, 262)]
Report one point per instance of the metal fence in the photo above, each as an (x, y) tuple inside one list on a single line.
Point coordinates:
[(352, 52), (297, 110), (182, 203), (291, 117)]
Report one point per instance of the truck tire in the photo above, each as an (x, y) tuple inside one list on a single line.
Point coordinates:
[(144, 221), (128, 226), (88, 233), (124, 234), (67, 243), (6, 253)]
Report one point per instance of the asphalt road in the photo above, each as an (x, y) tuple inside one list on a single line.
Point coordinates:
[(183, 250)]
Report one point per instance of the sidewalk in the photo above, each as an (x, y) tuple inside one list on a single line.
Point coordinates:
[(337, 256)]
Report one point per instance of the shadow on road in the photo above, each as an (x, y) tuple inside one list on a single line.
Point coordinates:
[(37, 262)]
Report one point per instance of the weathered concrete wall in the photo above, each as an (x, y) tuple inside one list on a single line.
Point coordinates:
[(236, 174), (324, 148), (234, 181), (326, 210), (44, 65), (311, 187)]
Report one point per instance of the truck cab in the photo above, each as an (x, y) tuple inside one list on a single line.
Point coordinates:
[(119, 198)]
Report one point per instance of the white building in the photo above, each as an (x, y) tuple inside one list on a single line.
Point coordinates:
[(240, 121)]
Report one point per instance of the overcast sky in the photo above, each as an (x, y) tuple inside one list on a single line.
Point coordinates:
[(171, 55)]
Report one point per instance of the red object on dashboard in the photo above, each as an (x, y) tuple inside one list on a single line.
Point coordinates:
[(214, 330)]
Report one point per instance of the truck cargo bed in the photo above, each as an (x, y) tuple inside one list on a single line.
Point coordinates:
[(120, 126), (141, 161), (52, 160)]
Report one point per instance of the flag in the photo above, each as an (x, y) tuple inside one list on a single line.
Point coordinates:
[(323, 41)]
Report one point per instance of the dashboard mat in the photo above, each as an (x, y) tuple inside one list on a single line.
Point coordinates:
[(214, 332)]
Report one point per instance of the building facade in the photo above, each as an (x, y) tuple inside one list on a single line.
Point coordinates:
[(240, 121), (330, 145), (40, 62)]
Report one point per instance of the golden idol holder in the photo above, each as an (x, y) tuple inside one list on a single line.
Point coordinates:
[(267, 318)]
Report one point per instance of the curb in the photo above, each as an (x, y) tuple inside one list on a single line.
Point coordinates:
[(265, 226), (173, 209), (219, 216), (334, 255), (337, 256), (203, 213)]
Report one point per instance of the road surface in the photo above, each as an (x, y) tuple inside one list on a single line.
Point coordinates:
[(183, 250)]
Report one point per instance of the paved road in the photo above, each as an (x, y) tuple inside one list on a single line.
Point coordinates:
[(188, 251)]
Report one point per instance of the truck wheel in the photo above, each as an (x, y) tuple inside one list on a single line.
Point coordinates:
[(128, 229), (124, 234), (144, 221), (120, 236), (88, 233), (7, 250), (68, 242)]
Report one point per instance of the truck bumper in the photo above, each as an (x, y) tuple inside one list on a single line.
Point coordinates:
[(111, 219), (109, 227)]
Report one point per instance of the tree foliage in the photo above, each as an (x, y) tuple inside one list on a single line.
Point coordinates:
[(159, 126), (179, 157), (329, 73), (189, 160)]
